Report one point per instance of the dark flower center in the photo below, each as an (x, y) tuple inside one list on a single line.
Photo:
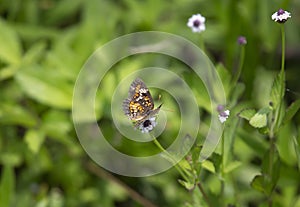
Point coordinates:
[(196, 23), (146, 123), (280, 12)]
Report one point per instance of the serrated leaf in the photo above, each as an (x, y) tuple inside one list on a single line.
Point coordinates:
[(259, 120), (7, 185), (291, 111), (10, 50), (278, 88), (247, 114), (34, 140)]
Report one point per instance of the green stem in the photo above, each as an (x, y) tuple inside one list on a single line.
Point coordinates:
[(275, 122), (222, 168), (182, 172), (271, 162), (204, 194), (201, 43), (241, 63), (282, 47)]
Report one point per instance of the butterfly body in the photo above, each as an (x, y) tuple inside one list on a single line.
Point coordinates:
[(139, 105)]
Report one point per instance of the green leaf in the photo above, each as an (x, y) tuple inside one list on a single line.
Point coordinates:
[(187, 185), (57, 124), (258, 183), (10, 50), (270, 170), (11, 113), (208, 165), (296, 143), (232, 166), (228, 139), (46, 87), (247, 114), (254, 142), (7, 72), (277, 91), (225, 77), (237, 92), (291, 111), (7, 186), (34, 54), (259, 120), (34, 140)]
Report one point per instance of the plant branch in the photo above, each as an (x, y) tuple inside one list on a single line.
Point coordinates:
[(131, 192)]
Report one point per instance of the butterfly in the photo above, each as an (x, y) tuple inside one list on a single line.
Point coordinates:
[(139, 106)]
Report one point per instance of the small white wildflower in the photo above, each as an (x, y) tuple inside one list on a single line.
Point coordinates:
[(148, 125), (223, 116), (281, 16), (197, 23)]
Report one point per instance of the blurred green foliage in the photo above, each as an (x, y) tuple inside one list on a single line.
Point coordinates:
[(44, 44)]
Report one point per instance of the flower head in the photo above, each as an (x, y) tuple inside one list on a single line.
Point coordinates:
[(147, 125), (281, 16), (223, 115), (197, 23), (242, 40)]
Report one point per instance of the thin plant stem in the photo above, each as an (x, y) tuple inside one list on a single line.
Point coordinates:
[(201, 43), (282, 47), (241, 63), (182, 172), (179, 169), (98, 171), (204, 194), (277, 117), (223, 166)]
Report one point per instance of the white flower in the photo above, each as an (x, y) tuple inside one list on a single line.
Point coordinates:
[(197, 23), (281, 16), (147, 125), (223, 116)]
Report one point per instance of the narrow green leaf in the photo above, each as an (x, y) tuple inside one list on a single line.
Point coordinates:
[(247, 114), (11, 113), (34, 140), (34, 53), (254, 142), (7, 186), (8, 72), (257, 183), (229, 136), (232, 166), (44, 86), (10, 50), (237, 92), (259, 120), (270, 170), (291, 111), (296, 143), (277, 91), (225, 77)]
